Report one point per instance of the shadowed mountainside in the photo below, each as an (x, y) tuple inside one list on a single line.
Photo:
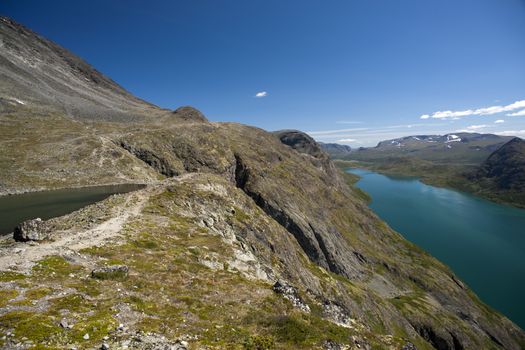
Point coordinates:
[(336, 150), (464, 161), (229, 210), (502, 175)]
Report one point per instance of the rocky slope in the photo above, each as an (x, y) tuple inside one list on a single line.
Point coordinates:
[(502, 175), (336, 150), (452, 160), (242, 239), (460, 148)]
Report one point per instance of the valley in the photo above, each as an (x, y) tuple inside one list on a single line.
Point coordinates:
[(480, 240), (240, 239), (454, 161)]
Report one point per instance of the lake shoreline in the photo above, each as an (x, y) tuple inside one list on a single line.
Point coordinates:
[(15, 209), (7, 193), (480, 240), (344, 164)]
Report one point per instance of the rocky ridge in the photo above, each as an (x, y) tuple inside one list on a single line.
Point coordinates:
[(502, 174), (229, 211)]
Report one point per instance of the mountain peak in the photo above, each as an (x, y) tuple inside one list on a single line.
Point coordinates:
[(189, 113), (40, 73), (505, 167)]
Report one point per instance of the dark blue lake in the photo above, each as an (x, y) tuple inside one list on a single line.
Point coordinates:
[(47, 204), (483, 242)]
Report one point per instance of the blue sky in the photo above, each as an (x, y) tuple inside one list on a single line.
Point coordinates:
[(352, 71)]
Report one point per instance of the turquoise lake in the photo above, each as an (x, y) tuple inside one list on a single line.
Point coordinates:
[(481, 241)]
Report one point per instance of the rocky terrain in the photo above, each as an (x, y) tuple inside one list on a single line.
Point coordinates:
[(462, 161), (461, 148), (242, 239), (502, 174), (336, 150)]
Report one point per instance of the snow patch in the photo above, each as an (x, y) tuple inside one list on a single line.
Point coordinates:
[(13, 101), (453, 138)]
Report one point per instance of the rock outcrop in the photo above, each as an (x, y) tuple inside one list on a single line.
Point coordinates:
[(188, 113), (336, 150), (31, 230), (229, 211), (502, 175)]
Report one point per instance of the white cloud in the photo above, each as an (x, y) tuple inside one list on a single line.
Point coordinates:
[(347, 122), (480, 111), (261, 94), (517, 114), (477, 127), (346, 140), (511, 133), (499, 121), (338, 131)]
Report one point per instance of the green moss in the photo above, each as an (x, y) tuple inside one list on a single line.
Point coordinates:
[(55, 266), (72, 303), (96, 325), (142, 305), (302, 329), (34, 326), (259, 342), (151, 324), (9, 276), (90, 287), (116, 275), (6, 295), (240, 215), (38, 293)]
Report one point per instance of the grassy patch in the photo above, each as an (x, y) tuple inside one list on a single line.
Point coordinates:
[(34, 326), (55, 266), (37, 293), (9, 276), (6, 295), (116, 274)]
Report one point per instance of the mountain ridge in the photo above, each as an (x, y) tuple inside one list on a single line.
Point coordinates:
[(502, 174), (451, 160), (238, 240)]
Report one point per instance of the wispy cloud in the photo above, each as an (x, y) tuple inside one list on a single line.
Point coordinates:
[(499, 121), (517, 114), (348, 122), (261, 94), (480, 111), (337, 131), (346, 140), (476, 127), (511, 133)]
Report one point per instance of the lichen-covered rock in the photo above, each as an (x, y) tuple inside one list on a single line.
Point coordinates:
[(150, 341), (409, 346), (31, 230), (110, 272), (289, 292)]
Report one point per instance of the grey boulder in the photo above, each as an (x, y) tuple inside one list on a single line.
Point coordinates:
[(31, 230)]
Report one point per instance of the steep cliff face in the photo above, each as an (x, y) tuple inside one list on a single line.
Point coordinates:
[(39, 74), (335, 150), (506, 166), (502, 175), (229, 211)]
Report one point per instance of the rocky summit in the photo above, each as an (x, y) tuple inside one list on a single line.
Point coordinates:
[(502, 174), (242, 239)]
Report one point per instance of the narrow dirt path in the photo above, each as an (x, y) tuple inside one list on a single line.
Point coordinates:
[(22, 256)]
